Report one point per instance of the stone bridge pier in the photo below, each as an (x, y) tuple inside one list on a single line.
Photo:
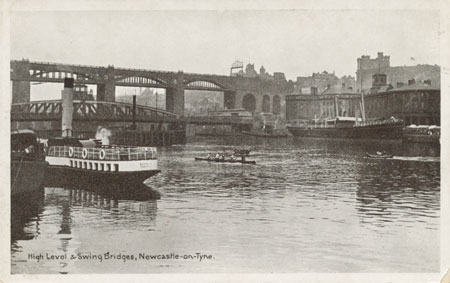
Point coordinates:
[(229, 100), (175, 95), (106, 91), (21, 89)]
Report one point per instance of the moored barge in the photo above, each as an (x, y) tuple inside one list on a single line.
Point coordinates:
[(28, 167)]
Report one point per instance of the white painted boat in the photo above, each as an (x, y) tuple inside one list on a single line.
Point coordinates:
[(84, 161)]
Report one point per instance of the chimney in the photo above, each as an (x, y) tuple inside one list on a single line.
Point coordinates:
[(67, 107), (380, 54), (427, 82), (400, 84), (411, 81)]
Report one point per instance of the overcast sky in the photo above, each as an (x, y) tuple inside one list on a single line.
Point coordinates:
[(296, 42)]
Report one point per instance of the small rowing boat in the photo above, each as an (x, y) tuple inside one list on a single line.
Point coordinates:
[(379, 155), (226, 160)]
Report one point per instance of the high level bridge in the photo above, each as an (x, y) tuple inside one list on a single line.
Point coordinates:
[(251, 93)]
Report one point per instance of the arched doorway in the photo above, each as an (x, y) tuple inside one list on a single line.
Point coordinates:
[(249, 102), (266, 103), (276, 105)]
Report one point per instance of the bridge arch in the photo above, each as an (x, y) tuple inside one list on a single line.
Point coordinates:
[(40, 74), (204, 84), (276, 104), (249, 102), (266, 103), (141, 80)]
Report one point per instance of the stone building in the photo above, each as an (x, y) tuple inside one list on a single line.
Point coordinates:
[(334, 101), (417, 102), (323, 80), (367, 67)]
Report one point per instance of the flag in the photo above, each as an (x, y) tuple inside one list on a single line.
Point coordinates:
[(412, 59)]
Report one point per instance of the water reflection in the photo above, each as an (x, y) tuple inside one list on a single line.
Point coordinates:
[(54, 218), (322, 202), (25, 211), (397, 190)]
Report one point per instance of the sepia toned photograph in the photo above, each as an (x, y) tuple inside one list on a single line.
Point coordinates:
[(169, 141)]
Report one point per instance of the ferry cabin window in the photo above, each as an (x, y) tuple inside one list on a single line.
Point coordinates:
[(108, 166), (116, 167), (102, 166)]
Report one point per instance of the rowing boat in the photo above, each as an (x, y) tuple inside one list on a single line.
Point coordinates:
[(379, 156), (226, 160)]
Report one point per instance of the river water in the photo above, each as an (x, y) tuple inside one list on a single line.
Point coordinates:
[(306, 206)]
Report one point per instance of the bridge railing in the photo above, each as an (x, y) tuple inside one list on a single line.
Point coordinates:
[(62, 64), (125, 104), (78, 105), (115, 153), (113, 111), (117, 68)]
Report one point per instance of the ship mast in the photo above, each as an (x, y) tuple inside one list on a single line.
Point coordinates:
[(363, 108)]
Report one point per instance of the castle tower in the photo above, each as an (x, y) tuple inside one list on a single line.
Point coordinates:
[(367, 67)]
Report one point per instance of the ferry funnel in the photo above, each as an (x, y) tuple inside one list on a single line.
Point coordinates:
[(67, 107)]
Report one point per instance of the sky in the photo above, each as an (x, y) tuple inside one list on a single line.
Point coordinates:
[(296, 42)]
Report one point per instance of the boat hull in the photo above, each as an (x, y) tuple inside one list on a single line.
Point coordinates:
[(318, 132), (226, 161), (63, 175), (421, 139), (391, 131), (264, 135), (386, 132), (377, 156), (27, 177)]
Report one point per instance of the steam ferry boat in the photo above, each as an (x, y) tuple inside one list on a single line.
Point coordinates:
[(75, 160), (85, 161)]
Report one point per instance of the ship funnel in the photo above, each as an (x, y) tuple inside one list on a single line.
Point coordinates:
[(67, 107)]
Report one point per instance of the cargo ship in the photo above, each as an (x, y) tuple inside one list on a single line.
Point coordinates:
[(350, 127)]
